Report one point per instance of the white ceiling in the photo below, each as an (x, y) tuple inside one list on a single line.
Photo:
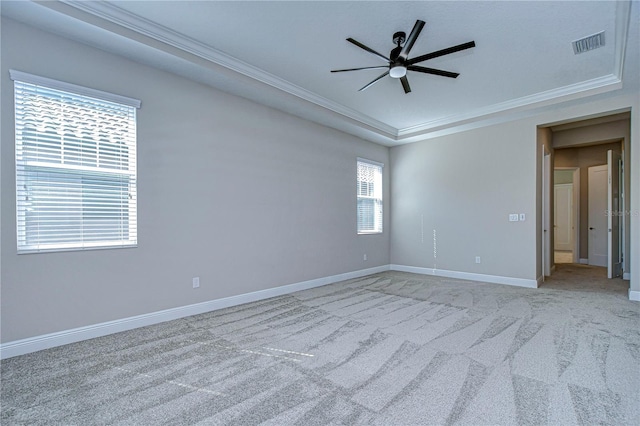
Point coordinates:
[(281, 54)]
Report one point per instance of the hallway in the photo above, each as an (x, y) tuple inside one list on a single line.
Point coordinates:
[(577, 277)]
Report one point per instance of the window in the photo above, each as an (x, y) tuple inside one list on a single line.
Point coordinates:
[(369, 197), (75, 166)]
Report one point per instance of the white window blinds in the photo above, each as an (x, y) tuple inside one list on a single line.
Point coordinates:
[(369, 196), (75, 167)]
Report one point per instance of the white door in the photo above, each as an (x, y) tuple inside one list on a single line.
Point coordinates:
[(614, 264), (563, 216), (598, 226)]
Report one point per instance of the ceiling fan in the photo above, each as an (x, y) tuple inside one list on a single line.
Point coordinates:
[(398, 62)]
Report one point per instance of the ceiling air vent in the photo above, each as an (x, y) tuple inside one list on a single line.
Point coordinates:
[(588, 43)]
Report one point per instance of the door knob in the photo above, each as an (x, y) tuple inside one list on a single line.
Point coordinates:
[(591, 229)]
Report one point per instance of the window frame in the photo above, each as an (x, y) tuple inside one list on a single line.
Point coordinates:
[(377, 197), (105, 194)]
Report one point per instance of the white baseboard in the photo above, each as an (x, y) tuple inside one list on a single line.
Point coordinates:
[(51, 340), (626, 276), (520, 282), (634, 295), (584, 261)]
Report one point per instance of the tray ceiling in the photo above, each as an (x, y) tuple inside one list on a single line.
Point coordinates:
[(280, 54)]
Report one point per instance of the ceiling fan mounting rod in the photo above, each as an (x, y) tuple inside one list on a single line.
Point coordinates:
[(399, 38)]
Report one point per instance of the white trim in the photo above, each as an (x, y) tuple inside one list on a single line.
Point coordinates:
[(626, 276), (495, 279), (623, 16), (74, 88), (133, 22), (189, 45), (584, 261), (561, 94), (51, 340)]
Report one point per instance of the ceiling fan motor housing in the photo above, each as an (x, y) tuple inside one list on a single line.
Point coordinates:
[(394, 55)]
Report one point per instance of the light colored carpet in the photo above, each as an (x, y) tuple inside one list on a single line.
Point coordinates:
[(389, 349)]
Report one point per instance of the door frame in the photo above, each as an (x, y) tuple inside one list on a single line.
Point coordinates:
[(614, 202), (546, 175), (631, 175)]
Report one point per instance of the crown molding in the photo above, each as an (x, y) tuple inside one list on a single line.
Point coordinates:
[(623, 16), (174, 40), (116, 15), (561, 94), (574, 91)]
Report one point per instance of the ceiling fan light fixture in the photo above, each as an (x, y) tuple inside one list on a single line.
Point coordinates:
[(398, 71)]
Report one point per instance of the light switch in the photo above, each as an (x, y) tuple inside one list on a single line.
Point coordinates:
[(522, 217)]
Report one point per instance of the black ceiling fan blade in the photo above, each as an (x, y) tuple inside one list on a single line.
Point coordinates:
[(363, 68), (405, 84), (374, 81), (442, 52), (415, 32), (368, 49), (433, 71)]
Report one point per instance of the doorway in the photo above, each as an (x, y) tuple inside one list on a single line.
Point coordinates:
[(566, 215), (597, 225), (563, 218), (574, 147)]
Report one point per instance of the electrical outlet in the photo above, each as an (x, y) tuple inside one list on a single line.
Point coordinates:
[(477, 259), (513, 217), (364, 257), (196, 282)]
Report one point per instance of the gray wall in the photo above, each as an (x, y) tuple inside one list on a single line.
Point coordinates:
[(464, 186), (261, 199), (596, 133), (243, 196)]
